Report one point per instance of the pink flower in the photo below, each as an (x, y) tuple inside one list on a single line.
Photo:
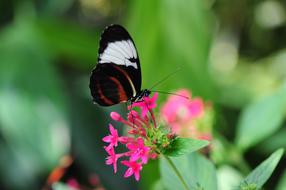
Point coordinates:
[(180, 108), (145, 140), (146, 104), (139, 150), (113, 138), (133, 168), (188, 117), (112, 158)]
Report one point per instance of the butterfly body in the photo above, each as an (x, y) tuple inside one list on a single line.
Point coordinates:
[(140, 95), (117, 75)]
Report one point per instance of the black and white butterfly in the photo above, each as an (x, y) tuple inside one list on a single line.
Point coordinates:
[(117, 75)]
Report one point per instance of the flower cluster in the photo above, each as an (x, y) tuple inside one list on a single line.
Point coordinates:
[(188, 117), (145, 140)]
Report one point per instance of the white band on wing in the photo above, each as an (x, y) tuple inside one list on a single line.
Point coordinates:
[(119, 53)]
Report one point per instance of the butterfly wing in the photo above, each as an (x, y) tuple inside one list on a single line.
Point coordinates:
[(117, 75)]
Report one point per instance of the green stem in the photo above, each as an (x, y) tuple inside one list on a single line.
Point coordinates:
[(177, 172)]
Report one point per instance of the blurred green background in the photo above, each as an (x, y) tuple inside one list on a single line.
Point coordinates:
[(230, 52)]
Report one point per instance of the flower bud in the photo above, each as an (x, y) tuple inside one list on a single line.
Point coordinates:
[(115, 116)]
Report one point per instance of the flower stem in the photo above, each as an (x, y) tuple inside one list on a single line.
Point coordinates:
[(177, 172)]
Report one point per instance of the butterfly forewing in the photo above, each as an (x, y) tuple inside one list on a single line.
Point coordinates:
[(117, 75)]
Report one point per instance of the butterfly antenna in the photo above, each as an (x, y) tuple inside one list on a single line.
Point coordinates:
[(162, 92), (165, 78)]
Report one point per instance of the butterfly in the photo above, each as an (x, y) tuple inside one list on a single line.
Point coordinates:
[(117, 75)]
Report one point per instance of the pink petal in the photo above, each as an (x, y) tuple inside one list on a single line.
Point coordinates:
[(144, 111), (137, 175), (109, 147), (135, 156), (131, 146), (115, 167), (144, 159), (128, 172), (154, 98), (126, 163), (113, 131), (107, 139), (108, 161)]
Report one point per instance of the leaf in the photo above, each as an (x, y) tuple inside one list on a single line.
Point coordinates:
[(261, 173), (282, 182), (274, 142), (197, 172), (149, 175), (158, 185), (261, 119), (181, 146)]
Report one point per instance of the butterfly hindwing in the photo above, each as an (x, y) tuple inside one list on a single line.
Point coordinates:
[(110, 85), (117, 75)]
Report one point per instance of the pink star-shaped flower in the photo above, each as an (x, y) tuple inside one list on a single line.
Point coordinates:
[(133, 168), (139, 150), (146, 104), (112, 158), (113, 138)]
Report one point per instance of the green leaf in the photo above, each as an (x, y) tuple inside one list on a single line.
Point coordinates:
[(197, 172), (158, 185), (274, 142), (150, 175), (181, 146), (282, 182), (261, 173), (265, 116)]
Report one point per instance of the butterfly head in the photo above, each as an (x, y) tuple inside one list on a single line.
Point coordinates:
[(145, 93), (140, 95)]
